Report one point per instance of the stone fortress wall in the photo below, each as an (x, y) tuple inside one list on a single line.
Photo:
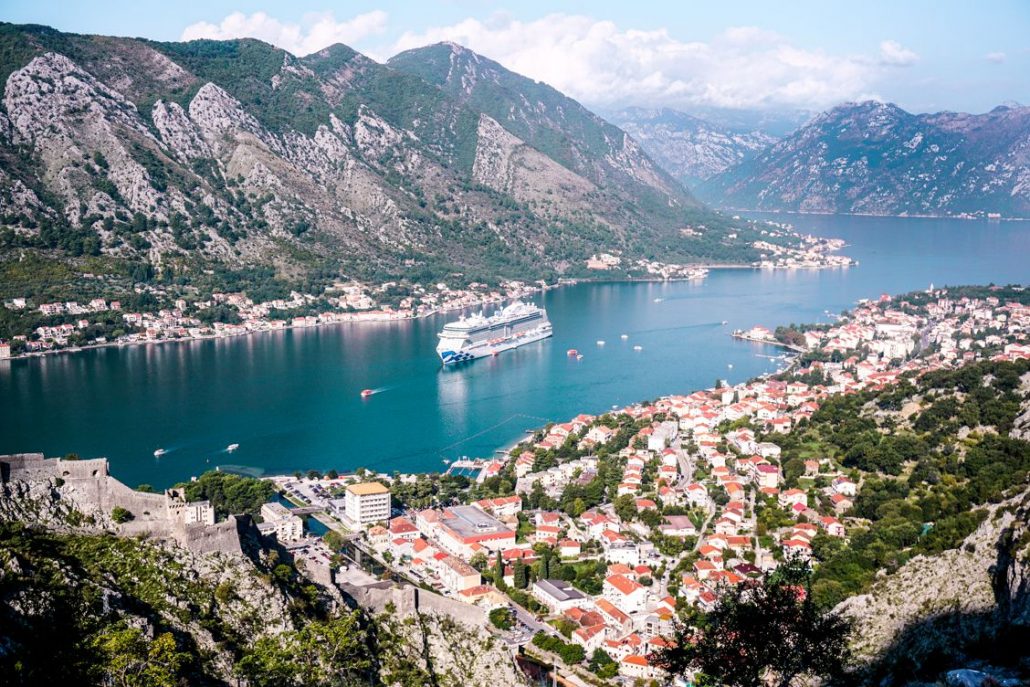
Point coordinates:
[(94, 492), (408, 599)]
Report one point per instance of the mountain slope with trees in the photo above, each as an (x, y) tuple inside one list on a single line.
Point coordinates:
[(136, 159)]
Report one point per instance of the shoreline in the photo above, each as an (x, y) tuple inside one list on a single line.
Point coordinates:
[(870, 214), (436, 311)]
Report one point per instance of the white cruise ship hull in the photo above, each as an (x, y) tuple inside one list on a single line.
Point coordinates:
[(485, 349)]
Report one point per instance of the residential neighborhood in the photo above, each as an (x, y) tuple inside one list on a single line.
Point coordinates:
[(621, 524)]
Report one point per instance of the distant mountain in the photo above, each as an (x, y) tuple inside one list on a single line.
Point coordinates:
[(690, 148), (184, 157), (875, 158)]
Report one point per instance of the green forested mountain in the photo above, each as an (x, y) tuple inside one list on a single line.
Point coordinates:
[(150, 159)]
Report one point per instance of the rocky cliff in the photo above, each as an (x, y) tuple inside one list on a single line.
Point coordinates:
[(962, 607), (875, 158)]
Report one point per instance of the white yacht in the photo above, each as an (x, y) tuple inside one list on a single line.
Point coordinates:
[(478, 336)]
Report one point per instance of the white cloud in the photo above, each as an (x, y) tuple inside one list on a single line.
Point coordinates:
[(995, 57), (894, 54), (316, 30), (604, 65)]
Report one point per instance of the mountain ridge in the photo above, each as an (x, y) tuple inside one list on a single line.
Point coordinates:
[(185, 156), (691, 148), (875, 158)]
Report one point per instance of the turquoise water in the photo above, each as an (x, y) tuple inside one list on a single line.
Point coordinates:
[(291, 399)]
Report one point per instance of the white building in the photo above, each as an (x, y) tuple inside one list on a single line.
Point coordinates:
[(188, 512), (367, 502), (558, 595), (279, 520)]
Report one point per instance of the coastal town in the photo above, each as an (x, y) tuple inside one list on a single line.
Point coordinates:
[(599, 534), (176, 315)]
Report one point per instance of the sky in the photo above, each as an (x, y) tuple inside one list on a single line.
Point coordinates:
[(925, 56)]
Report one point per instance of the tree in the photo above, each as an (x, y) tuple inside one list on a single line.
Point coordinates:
[(626, 507), (765, 628), (323, 653), (131, 660), (501, 618), (478, 561), (521, 575), (602, 665), (120, 515), (498, 568)]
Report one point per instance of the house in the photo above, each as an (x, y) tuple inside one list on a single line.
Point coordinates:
[(558, 595), (767, 475), (626, 594), (637, 667), (600, 434), (790, 497), (677, 526), (502, 507), (841, 503), (402, 528), (617, 622), (568, 548), (590, 638), (832, 525), (456, 575), (843, 485)]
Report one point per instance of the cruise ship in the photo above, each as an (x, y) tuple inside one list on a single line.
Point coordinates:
[(478, 336)]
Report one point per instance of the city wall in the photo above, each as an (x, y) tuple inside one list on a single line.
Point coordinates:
[(87, 484), (408, 599)]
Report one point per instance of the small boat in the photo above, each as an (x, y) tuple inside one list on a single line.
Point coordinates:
[(232, 447), (365, 393), (624, 337), (572, 352), (725, 322), (579, 356), (600, 342), (658, 300), (638, 348), (159, 452), (730, 366)]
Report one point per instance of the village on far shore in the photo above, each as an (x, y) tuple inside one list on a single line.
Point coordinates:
[(174, 315)]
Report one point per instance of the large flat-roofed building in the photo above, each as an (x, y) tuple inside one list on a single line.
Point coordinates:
[(280, 521), (460, 528), (558, 595), (367, 502)]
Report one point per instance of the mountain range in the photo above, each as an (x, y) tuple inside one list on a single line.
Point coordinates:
[(691, 148), (875, 158), (184, 156)]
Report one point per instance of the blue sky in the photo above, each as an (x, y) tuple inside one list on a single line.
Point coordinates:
[(922, 55)]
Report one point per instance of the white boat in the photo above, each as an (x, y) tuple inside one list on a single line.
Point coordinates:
[(579, 356), (730, 366), (232, 447), (638, 348), (159, 452), (600, 342), (624, 337), (725, 322), (479, 336), (658, 300)]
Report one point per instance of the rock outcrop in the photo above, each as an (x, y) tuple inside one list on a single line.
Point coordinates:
[(949, 610)]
